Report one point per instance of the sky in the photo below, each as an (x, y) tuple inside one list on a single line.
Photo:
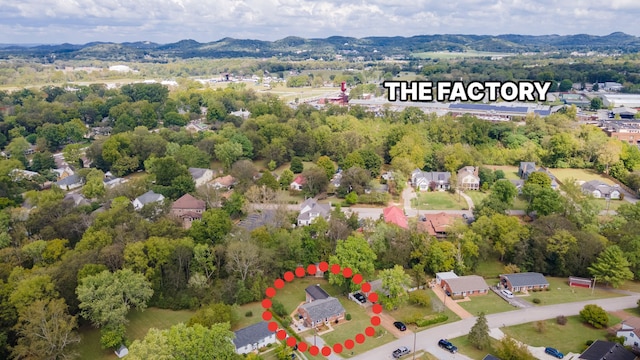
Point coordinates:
[(166, 21)]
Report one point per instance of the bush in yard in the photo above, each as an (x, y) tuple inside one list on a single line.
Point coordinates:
[(588, 342), (420, 297), (595, 316), (278, 308), (562, 320), (433, 319), (248, 313), (540, 326), (348, 317), (536, 301)]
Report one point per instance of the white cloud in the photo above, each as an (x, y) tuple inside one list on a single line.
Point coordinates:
[(79, 21)]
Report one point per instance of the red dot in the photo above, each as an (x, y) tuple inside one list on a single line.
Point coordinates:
[(281, 334), (291, 341), (314, 350), (270, 292), (377, 308), (375, 320), (347, 273), (266, 303), (335, 268), (359, 338), (302, 347), (267, 315), (289, 276), (273, 326), (279, 283), (357, 279), (369, 331), (349, 344), (337, 348), (300, 272), (373, 297), (323, 266), (326, 351), (366, 287), (311, 269)]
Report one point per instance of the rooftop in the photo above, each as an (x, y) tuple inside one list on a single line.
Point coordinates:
[(252, 334), (467, 283), (526, 279), (316, 292)]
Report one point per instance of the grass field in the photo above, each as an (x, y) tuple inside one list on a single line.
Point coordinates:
[(566, 338), (139, 323), (464, 347), (490, 269), (457, 55), (613, 204), (476, 196), (579, 175), (510, 172), (560, 292), (438, 200), (488, 304)]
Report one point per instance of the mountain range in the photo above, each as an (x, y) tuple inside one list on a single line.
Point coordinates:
[(296, 48)]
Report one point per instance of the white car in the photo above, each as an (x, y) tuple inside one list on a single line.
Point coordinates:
[(508, 294)]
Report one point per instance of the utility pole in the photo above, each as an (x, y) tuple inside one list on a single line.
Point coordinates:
[(593, 286), (414, 346)]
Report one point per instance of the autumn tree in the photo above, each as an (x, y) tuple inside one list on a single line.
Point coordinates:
[(510, 349)]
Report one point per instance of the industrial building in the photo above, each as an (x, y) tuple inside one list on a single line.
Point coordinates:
[(618, 100)]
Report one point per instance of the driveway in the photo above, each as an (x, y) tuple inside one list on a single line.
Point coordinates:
[(514, 301), (450, 303), (386, 321)]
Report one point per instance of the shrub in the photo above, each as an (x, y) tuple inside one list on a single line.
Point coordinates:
[(278, 308), (594, 315), (420, 297), (433, 319), (248, 313), (621, 196), (540, 326), (588, 342), (536, 301), (562, 320), (348, 317)]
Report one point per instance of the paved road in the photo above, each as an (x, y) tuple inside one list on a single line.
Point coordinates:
[(427, 340)]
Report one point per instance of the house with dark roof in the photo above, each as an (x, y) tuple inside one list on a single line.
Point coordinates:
[(465, 285), (490, 357), (600, 190), (323, 311), (254, 337), (255, 220), (187, 208), (70, 182), (430, 180), (315, 292), (525, 169), (468, 178), (201, 176), (310, 210), (606, 350), (76, 199), (523, 282), (393, 215), (147, 198)]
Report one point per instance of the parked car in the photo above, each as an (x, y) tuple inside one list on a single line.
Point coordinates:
[(400, 326), (360, 297), (446, 344), (554, 352), (401, 351), (507, 293)]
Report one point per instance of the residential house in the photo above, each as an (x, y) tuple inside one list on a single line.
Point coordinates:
[(187, 208), (253, 221), (437, 224), (70, 182), (63, 172), (630, 333), (444, 276), (244, 114), (601, 350), (253, 337), (465, 286), (525, 169), (147, 198), (519, 184), (223, 182), (76, 199), (323, 311), (310, 210), (18, 174), (201, 176), (490, 357), (468, 178), (387, 175), (297, 183), (393, 215), (196, 126), (314, 293), (336, 179), (601, 190), (430, 180), (522, 282)]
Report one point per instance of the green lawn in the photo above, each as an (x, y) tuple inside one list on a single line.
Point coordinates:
[(579, 175), (464, 347), (409, 311), (476, 196), (510, 172), (438, 200), (240, 315), (519, 203), (560, 292), (566, 338), (139, 323), (490, 269), (613, 204), (630, 286), (292, 294), (488, 304)]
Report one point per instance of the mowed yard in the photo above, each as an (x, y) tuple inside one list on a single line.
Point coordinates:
[(438, 200)]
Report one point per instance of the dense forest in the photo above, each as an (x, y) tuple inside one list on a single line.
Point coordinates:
[(62, 263)]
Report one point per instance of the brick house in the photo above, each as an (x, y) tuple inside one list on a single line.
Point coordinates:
[(465, 285), (523, 282), (187, 208)]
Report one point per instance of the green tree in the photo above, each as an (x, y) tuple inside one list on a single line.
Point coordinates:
[(212, 228), (286, 178), (510, 349), (355, 253), (94, 185), (596, 103), (611, 267), (327, 165), (394, 283), (296, 166), (46, 331), (215, 313), (228, 152), (479, 334), (186, 342), (595, 316), (268, 180), (72, 153), (504, 191), (565, 85), (42, 161), (316, 181), (165, 169)]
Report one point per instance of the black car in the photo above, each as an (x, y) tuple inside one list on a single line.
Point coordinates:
[(400, 326), (444, 343), (360, 297)]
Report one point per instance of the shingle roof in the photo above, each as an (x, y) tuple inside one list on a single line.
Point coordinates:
[(197, 173), (252, 334), (187, 201), (321, 309), (593, 185), (256, 220), (490, 357), (149, 197), (316, 292), (526, 279), (467, 283), (69, 180), (394, 215), (601, 350)]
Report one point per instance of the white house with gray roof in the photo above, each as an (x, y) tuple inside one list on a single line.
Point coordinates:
[(253, 337), (601, 190), (201, 176), (435, 180), (70, 182), (311, 210), (147, 198)]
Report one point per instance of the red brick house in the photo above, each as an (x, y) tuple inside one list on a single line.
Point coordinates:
[(187, 208), (465, 285)]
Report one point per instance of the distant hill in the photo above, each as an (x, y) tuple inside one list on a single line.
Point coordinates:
[(292, 47)]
